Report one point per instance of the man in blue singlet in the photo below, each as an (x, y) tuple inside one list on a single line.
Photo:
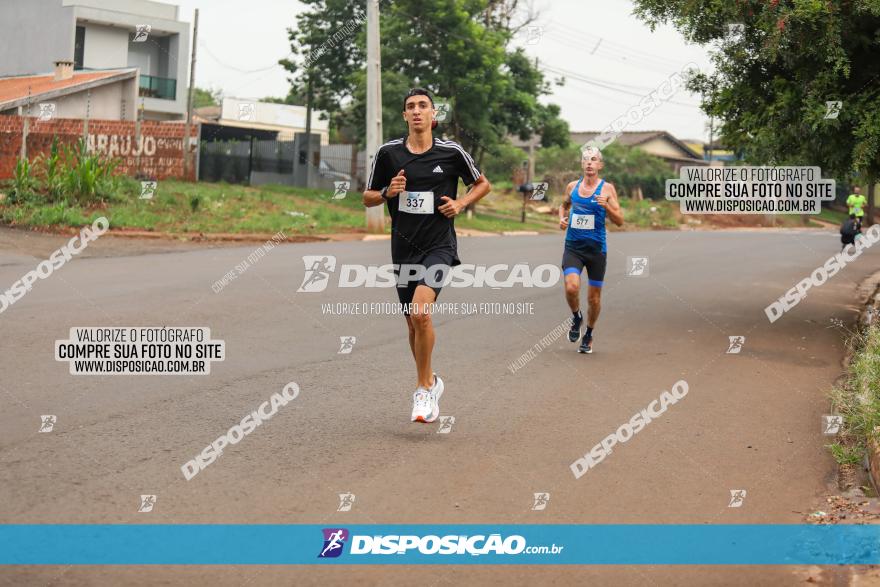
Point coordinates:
[(588, 201)]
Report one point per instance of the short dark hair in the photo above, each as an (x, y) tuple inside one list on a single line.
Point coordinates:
[(417, 92)]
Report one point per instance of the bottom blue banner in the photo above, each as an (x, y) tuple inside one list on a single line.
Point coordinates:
[(545, 544)]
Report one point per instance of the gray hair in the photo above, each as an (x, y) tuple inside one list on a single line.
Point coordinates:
[(590, 150)]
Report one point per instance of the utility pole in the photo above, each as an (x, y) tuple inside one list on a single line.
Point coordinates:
[(711, 136), (532, 143), (308, 124), (187, 160), (376, 214), (25, 125)]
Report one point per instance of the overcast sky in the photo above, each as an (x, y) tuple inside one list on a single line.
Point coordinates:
[(615, 57)]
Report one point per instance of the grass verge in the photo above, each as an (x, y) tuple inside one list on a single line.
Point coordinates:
[(181, 207), (857, 398), (212, 208)]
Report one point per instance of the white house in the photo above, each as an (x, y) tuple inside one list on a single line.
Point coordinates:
[(283, 120), (101, 35)]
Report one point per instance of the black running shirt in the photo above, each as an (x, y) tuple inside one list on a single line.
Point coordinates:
[(417, 226)]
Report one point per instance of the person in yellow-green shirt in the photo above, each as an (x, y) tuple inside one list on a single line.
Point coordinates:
[(856, 203)]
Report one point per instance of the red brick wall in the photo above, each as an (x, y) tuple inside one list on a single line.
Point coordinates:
[(158, 152)]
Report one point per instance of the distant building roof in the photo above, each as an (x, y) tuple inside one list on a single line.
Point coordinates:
[(238, 119), (22, 90), (207, 114), (639, 137)]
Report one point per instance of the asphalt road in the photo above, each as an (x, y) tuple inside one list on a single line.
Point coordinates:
[(750, 420)]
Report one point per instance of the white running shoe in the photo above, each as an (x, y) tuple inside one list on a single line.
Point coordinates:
[(436, 391), (422, 405)]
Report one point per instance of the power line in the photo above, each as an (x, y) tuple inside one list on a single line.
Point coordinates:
[(609, 54), (603, 84), (236, 69), (617, 47), (616, 100), (609, 85), (562, 71)]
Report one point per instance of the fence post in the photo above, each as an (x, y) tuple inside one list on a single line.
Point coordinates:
[(198, 152), (86, 120), (137, 139), (251, 160), (356, 180), (24, 135), (25, 126)]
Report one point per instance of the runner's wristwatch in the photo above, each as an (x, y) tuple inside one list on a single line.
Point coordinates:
[(383, 192)]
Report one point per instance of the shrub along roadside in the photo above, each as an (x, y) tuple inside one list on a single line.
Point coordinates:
[(857, 398), (67, 174)]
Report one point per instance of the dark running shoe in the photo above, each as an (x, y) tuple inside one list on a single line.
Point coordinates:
[(586, 344), (575, 331)]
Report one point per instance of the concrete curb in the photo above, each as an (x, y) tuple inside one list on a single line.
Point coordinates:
[(212, 237), (257, 237)]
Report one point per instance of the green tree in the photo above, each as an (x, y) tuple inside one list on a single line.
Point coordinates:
[(773, 80), (275, 100), (203, 97), (501, 164), (629, 168), (457, 49)]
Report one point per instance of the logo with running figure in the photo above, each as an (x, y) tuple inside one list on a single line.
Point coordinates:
[(737, 497), (47, 111), (148, 189), (346, 344), (340, 189), (831, 424), (246, 111), (534, 34), (735, 345), (346, 501), (541, 501), (147, 503), (832, 109), (540, 190), (637, 266), (334, 541), (47, 423), (735, 31), (318, 270), (442, 111), (446, 423), (142, 33)]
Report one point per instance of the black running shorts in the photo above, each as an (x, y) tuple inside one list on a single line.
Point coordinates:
[(441, 261), (574, 261)]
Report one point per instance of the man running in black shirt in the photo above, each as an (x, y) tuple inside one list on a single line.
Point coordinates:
[(417, 177)]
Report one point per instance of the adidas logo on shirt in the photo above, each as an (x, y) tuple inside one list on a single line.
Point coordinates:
[(438, 170)]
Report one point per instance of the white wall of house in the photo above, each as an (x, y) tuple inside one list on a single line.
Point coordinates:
[(116, 101), (147, 8), (33, 35), (113, 101), (281, 117), (145, 56), (169, 57), (36, 33), (105, 47)]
